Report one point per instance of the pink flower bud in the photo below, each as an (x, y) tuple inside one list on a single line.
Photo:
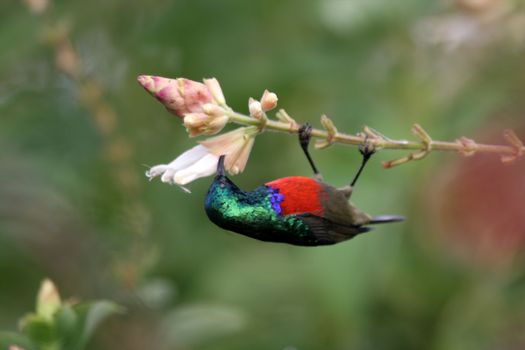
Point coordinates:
[(215, 89), (255, 108), (179, 96), (216, 125), (203, 124), (213, 110), (195, 119), (268, 100)]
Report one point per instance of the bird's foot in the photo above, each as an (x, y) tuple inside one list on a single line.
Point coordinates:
[(366, 148), (305, 134)]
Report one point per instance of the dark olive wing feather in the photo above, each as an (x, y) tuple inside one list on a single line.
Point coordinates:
[(384, 219), (329, 232)]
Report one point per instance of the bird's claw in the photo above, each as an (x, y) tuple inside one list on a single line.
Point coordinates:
[(366, 148), (305, 132)]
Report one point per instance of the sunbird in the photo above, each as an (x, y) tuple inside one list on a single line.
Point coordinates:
[(296, 210)]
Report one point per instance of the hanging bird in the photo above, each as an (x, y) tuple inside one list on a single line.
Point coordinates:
[(295, 210)]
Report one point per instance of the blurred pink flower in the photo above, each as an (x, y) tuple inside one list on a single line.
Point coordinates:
[(14, 347), (477, 206), (38, 7)]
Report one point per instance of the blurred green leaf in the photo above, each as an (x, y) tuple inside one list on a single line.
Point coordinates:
[(69, 328), (194, 325), (93, 314), (40, 330), (12, 338), (66, 321)]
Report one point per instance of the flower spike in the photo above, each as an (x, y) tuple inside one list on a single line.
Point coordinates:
[(204, 111)]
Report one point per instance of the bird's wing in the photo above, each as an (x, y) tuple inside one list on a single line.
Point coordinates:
[(329, 232)]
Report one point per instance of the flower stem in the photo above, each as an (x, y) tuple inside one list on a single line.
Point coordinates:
[(423, 147)]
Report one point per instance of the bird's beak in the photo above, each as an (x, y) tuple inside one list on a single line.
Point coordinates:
[(220, 165)]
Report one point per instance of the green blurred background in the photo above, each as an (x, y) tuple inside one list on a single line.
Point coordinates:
[(77, 133)]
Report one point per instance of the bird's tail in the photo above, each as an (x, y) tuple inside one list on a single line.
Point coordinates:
[(382, 219)]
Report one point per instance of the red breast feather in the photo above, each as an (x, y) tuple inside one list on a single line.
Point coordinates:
[(300, 195)]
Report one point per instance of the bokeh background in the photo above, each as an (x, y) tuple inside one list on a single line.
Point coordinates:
[(77, 133)]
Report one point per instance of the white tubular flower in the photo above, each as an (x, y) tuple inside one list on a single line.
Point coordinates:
[(192, 164), (205, 166), (201, 160)]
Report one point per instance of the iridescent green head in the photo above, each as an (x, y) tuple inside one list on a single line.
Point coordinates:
[(221, 196), (221, 183)]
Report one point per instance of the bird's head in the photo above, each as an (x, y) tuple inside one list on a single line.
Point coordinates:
[(221, 180), (221, 193)]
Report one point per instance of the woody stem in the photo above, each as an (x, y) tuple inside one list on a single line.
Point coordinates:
[(379, 143)]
